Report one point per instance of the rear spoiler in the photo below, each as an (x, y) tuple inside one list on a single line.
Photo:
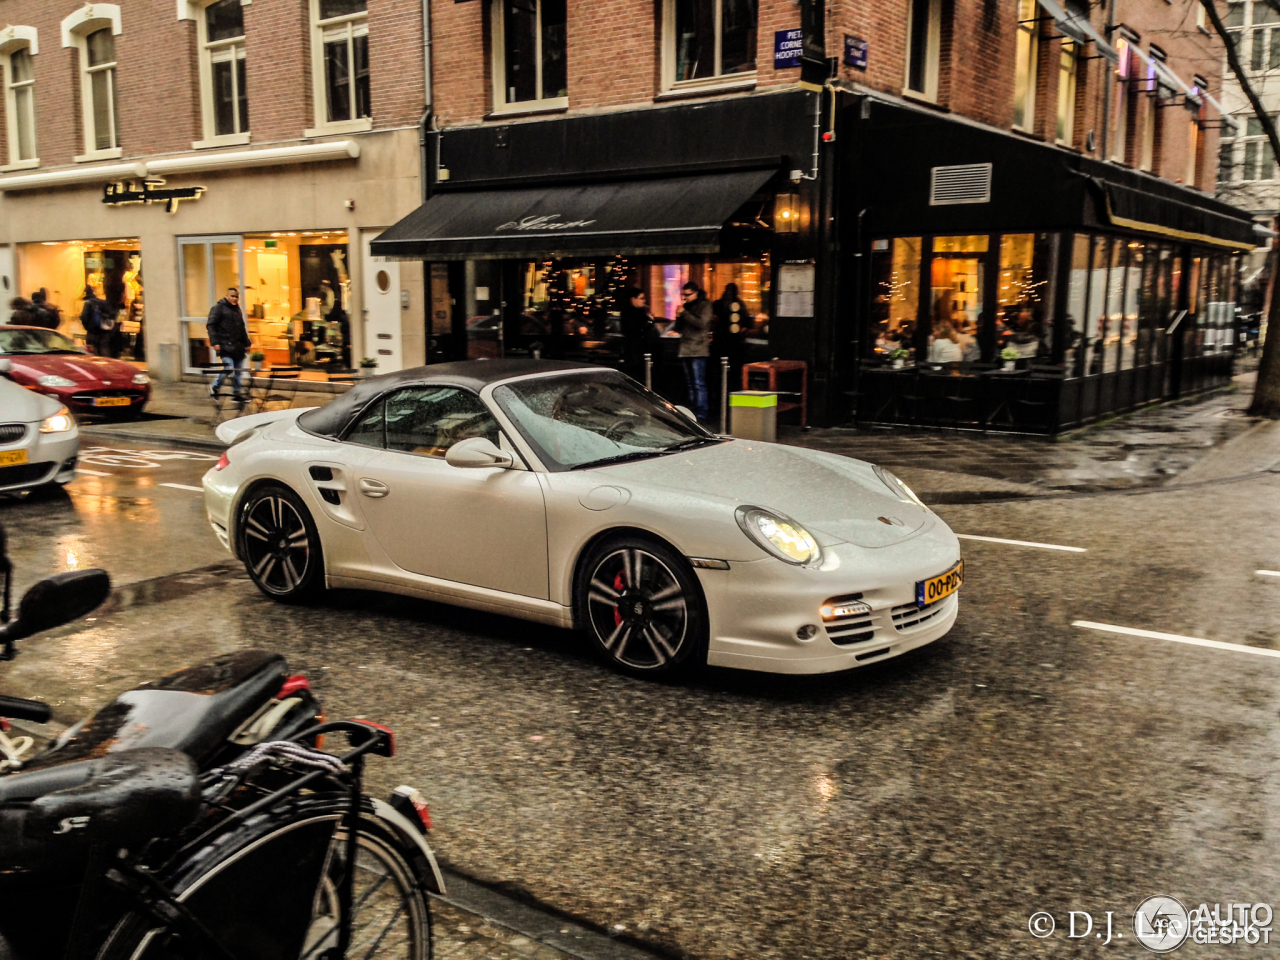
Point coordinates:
[(229, 430)]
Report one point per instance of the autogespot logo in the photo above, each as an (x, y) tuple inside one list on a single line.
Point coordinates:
[(1161, 924)]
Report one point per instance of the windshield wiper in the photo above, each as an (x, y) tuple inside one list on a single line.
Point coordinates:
[(621, 458), (691, 443)]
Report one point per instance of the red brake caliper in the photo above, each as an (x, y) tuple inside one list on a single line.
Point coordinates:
[(619, 586)]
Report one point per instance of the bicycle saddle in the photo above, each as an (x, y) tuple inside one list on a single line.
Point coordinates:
[(193, 710), (116, 800)]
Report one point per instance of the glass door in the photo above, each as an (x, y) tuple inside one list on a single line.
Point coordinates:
[(208, 267)]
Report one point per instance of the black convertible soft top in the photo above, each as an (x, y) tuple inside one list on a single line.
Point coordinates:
[(331, 419)]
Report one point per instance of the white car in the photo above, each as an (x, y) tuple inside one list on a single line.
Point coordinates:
[(39, 439), (570, 495)]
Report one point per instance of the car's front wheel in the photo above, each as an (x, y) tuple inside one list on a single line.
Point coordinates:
[(642, 606), (280, 545)]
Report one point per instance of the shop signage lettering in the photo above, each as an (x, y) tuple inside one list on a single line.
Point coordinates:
[(150, 190), (855, 52), (549, 222), (788, 45)]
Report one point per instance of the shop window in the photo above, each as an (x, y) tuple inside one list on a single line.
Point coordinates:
[(210, 267), (1264, 12), (1115, 307), (924, 45), (1068, 64), (1095, 331), (709, 41), (92, 30), (1024, 294), (1077, 293), (530, 66), (957, 284), (1026, 50), (19, 105), (1235, 14), (895, 305), (222, 53), (1133, 285), (1259, 159), (112, 267), (340, 65), (1151, 305)]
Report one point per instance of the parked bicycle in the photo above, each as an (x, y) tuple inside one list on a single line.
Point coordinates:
[(119, 843)]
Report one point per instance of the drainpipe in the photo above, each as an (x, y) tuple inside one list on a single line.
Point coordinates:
[(1111, 80), (427, 96)]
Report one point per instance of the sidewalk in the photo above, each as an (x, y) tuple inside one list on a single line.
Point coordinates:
[(1194, 440)]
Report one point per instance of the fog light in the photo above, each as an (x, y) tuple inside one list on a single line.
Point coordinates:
[(807, 632)]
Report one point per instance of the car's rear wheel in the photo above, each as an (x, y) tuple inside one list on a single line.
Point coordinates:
[(280, 545), (642, 606)]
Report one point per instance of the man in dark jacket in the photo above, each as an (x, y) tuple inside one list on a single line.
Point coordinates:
[(229, 337), (94, 319), (694, 326), (43, 313)]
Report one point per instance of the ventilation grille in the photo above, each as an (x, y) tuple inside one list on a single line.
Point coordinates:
[(966, 183), (12, 432)]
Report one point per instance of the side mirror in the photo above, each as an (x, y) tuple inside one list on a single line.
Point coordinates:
[(687, 412), (477, 452), (58, 600)]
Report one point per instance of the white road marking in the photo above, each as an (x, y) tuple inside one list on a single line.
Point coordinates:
[(1023, 543), (1194, 641), (1268, 573), (183, 486), (92, 473)]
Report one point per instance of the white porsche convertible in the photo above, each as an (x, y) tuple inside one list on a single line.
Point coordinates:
[(570, 495)]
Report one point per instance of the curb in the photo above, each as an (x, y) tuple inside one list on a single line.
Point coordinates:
[(125, 433)]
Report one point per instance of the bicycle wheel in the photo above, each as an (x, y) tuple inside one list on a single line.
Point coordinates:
[(268, 889)]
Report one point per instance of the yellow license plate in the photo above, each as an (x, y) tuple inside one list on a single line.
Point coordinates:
[(9, 458), (936, 588), (112, 402)]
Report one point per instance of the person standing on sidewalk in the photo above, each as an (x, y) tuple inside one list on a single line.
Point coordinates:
[(229, 337), (94, 319), (694, 326)]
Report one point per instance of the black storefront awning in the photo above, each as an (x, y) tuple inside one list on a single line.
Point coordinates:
[(1139, 210), (661, 216)]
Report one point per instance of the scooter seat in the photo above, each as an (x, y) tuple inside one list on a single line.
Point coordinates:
[(193, 710)]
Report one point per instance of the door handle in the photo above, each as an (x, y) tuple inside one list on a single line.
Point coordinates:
[(373, 488)]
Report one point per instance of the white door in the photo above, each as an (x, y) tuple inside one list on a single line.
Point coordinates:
[(8, 282), (382, 309), (484, 526)]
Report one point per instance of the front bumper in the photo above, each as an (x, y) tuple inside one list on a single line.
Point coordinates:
[(756, 608), (51, 458)]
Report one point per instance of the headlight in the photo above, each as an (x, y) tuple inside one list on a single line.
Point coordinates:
[(779, 535), (53, 380), (60, 422), (141, 379), (899, 489)]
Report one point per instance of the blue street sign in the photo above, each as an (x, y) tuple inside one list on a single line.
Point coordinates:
[(787, 47), (855, 52)]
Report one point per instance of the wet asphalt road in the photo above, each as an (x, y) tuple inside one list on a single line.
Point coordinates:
[(923, 807)]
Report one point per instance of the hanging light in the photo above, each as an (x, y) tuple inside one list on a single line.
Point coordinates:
[(786, 213)]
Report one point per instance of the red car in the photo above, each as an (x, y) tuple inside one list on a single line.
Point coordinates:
[(47, 362)]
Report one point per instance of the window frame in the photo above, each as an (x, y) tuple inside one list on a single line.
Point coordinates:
[(932, 52), (15, 40), (1026, 60), (324, 31), (745, 80), (498, 67), (1069, 51), (76, 30), (208, 109)]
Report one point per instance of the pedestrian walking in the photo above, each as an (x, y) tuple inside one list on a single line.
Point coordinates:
[(43, 313), (694, 324), (97, 322), (229, 338), (21, 315)]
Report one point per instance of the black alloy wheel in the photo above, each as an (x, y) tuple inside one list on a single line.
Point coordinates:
[(280, 545), (642, 606)]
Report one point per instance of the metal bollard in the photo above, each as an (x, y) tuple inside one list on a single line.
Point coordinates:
[(724, 395), (648, 371)]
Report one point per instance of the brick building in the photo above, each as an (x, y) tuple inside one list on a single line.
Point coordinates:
[(163, 153), (1044, 167)]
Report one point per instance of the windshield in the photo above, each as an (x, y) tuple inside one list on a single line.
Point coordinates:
[(595, 418), (35, 341)]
